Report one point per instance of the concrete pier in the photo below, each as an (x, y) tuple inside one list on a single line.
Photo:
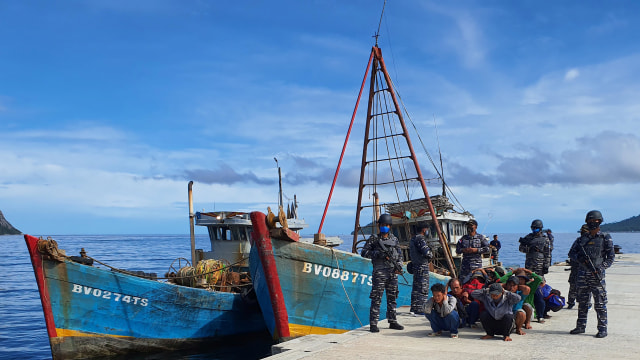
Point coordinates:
[(550, 340)]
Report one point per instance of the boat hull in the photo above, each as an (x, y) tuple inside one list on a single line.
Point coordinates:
[(308, 289), (91, 311)]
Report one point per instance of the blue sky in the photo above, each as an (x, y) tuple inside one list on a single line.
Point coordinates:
[(108, 108)]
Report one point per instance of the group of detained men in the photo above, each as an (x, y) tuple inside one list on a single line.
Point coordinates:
[(504, 302)]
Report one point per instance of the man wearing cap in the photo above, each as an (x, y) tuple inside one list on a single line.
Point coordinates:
[(471, 246), (497, 319), (531, 280), (593, 253), (537, 249), (386, 257), (420, 256)]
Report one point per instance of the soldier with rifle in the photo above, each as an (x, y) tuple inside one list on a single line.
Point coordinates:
[(386, 257), (592, 253)]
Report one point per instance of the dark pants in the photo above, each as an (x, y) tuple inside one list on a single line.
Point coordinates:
[(538, 301), (383, 280), (496, 327), (473, 313), (447, 323), (420, 288), (589, 286)]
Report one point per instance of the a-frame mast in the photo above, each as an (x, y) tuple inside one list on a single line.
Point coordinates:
[(379, 65)]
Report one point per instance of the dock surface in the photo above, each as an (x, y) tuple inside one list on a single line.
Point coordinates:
[(550, 340)]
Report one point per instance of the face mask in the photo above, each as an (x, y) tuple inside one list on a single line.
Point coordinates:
[(593, 225), (535, 231), (384, 229)]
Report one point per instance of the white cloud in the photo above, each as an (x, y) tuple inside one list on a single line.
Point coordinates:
[(571, 74)]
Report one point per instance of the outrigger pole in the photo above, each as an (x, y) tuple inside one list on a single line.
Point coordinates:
[(344, 147), (376, 53), (191, 226)]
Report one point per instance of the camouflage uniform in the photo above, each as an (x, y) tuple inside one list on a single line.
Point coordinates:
[(471, 261), (384, 276), (536, 248), (551, 238), (573, 277), (420, 256), (599, 249)]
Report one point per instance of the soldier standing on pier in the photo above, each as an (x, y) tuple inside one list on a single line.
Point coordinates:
[(593, 253), (471, 246), (386, 257), (420, 256), (536, 247)]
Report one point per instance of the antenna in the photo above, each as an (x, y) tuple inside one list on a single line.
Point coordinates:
[(380, 23), (279, 182), (444, 186)]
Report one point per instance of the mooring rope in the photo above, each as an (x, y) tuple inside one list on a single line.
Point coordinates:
[(345, 289)]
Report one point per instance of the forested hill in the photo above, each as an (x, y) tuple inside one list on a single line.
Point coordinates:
[(631, 224), (6, 228)]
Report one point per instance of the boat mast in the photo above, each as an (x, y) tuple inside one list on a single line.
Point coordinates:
[(379, 66), (279, 183), (191, 225)]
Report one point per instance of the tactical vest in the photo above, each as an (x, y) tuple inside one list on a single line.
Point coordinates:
[(390, 244), (417, 258), (535, 243), (593, 248)]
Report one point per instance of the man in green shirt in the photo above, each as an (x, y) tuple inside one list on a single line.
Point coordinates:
[(529, 278)]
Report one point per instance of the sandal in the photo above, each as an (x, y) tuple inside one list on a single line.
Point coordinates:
[(435, 333)]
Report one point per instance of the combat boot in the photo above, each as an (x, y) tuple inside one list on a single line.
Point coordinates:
[(570, 306), (601, 334), (374, 328), (578, 330), (396, 326)]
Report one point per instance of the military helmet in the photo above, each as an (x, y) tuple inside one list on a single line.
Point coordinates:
[(593, 215), (537, 224), (385, 219)]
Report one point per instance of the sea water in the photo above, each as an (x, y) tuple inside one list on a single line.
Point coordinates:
[(23, 333)]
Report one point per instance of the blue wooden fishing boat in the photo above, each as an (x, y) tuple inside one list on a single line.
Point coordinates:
[(99, 310), (316, 289), (307, 288), (91, 311)]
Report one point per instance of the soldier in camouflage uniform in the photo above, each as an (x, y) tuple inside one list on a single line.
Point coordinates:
[(593, 253), (551, 239), (420, 256), (386, 257), (536, 246), (573, 277), (471, 246)]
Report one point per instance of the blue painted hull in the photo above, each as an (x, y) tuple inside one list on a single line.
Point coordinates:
[(324, 290), (92, 311)]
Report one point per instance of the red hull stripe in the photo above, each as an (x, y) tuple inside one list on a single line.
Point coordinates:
[(265, 251), (36, 261)]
